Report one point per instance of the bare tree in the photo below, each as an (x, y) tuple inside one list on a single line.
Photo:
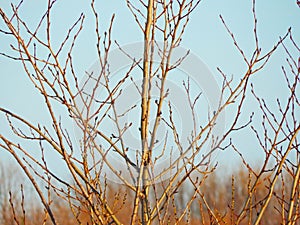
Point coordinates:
[(94, 103)]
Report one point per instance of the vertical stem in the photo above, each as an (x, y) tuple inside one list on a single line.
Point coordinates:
[(145, 113), (232, 200), (142, 189), (292, 197)]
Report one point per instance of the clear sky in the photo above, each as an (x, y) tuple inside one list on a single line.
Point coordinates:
[(205, 36)]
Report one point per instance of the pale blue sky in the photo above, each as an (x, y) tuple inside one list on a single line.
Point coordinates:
[(205, 36)]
